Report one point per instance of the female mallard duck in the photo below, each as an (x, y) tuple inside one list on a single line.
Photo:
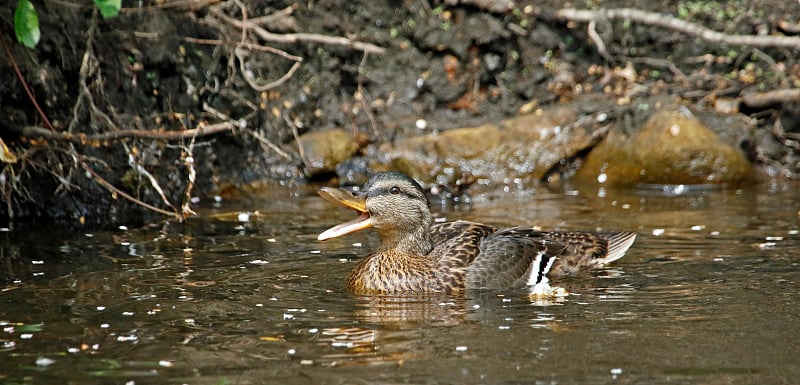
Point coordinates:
[(417, 257)]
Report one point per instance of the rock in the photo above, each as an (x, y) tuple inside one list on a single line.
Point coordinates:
[(322, 151), (673, 147), (523, 149)]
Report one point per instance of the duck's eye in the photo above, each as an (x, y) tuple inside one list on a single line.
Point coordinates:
[(394, 190)]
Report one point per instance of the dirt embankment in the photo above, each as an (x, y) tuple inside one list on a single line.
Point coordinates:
[(177, 99)]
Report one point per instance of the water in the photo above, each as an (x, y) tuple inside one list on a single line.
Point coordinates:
[(707, 294)]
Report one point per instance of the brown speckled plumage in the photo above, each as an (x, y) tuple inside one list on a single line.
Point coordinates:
[(417, 257)]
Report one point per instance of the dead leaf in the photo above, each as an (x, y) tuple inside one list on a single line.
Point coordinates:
[(6, 155)]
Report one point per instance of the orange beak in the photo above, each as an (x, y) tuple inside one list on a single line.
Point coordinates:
[(350, 201)]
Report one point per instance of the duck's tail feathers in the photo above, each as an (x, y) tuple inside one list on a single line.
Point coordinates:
[(618, 244)]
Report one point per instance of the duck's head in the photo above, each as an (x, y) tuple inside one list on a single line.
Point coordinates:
[(392, 203)]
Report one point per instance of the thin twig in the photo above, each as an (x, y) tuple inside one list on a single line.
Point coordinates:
[(22, 81), (110, 187), (272, 17), (296, 134), (135, 163), (269, 144), (188, 162), (673, 23), (659, 63), (248, 76), (256, 135), (591, 29), (366, 104)]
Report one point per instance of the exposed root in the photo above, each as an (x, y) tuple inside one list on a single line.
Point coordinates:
[(768, 98), (673, 23), (105, 138), (297, 37)]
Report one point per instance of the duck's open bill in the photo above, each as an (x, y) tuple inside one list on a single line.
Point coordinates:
[(345, 199)]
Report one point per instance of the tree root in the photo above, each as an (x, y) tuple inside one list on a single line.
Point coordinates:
[(673, 23), (105, 138), (296, 37)]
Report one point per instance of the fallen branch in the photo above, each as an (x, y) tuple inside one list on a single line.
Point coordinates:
[(81, 138), (673, 23)]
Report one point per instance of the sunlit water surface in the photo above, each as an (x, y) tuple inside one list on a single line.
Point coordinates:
[(707, 294)]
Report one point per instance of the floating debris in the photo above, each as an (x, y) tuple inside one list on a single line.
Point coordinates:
[(44, 361), (127, 338), (767, 245)]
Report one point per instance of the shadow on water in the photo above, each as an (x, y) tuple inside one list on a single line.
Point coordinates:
[(707, 294)]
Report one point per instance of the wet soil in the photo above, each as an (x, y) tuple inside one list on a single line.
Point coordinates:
[(169, 68)]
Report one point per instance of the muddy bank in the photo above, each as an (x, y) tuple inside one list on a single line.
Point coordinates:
[(167, 102)]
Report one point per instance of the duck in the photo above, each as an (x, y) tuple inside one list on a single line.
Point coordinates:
[(418, 256)]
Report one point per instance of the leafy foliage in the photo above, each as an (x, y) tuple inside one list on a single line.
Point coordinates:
[(26, 24), (108, 8), (26, 20)]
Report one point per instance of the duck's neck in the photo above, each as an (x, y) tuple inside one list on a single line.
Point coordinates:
[(413, 242)]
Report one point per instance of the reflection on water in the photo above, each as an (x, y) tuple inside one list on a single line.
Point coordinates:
[(707, 294)]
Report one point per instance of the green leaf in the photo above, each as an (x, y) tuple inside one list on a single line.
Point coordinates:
[(28, 328), (108, 8), (26, 24)]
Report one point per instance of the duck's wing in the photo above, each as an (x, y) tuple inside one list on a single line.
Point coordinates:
[(456, 245), (588, 250), (462, 232), (513, 257), (517, 256)]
